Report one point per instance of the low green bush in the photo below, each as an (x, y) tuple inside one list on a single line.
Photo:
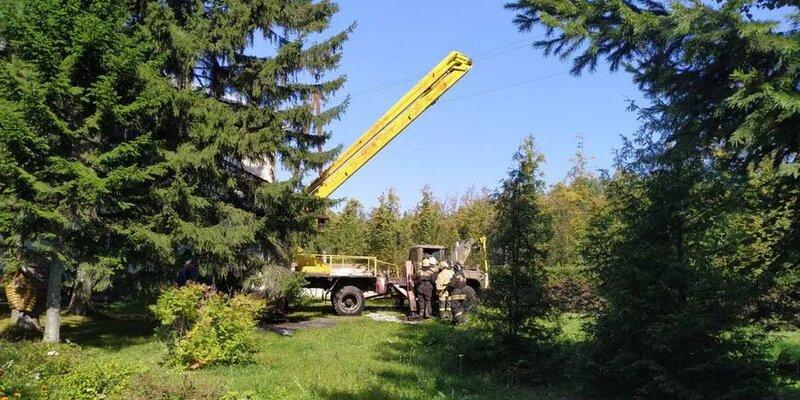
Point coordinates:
[(160, 386), (201, 327), (27, 369), (31, 370), (95, 380)]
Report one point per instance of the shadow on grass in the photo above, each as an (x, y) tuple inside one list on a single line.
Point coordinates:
[(311, 309), (432, 360), (98, 330), (103, 332)]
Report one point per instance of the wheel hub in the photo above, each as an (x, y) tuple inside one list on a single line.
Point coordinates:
[(349, 301)]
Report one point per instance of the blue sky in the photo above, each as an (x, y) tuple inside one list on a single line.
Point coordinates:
[(468, 142)]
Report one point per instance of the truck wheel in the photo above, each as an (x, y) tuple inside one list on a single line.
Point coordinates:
[(472, 298), (348, 300)]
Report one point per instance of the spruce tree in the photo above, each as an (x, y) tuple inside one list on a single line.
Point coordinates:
[(76, 154), (220, 107), (722, 91), (671, 253), (429, 223), (127, 126), (385, 232), (346, 233), (517, 309)]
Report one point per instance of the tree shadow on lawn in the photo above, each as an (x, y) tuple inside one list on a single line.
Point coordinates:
[(316, 308), (427, 361), (100, 331)]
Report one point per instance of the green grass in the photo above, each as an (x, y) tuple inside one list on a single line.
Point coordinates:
[(357, 358), (363, 359)]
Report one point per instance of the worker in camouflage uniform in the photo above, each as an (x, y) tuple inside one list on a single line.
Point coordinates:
[(442, 280), (458, 296), (424, 278)]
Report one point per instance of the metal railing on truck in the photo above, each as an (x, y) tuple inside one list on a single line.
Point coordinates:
[(328, 262)]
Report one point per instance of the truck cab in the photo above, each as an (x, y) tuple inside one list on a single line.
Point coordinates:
[(477, 277)]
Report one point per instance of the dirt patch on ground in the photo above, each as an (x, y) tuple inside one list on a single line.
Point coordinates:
[(287, 328), (387, 317)]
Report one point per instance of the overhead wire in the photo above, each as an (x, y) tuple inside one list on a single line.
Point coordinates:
[(476, 94), (501, 47), (480, 93), (485, 55), (495, 52)]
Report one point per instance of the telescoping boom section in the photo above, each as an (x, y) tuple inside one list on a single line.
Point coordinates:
[(432, 86)]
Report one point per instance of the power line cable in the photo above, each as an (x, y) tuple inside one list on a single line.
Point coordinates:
[(541, 78), (387, 85), (501, 47), (478, 57), (524, 45), (475, 94)]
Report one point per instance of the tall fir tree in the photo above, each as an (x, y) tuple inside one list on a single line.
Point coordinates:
[(346, 233), (127, 126), (722, 92), (222, 106), (517, 309), (385, 232), (76, 153), (671, 253), (429, 223)]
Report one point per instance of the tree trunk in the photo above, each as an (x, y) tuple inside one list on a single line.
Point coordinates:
[(25, 325), (52, 324), (81, 301)]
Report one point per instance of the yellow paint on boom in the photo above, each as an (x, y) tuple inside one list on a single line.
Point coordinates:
[(432, 86)]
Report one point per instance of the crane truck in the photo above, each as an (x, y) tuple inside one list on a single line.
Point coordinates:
[(351, 280)]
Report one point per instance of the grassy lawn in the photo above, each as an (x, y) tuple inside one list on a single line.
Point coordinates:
[(354, 358)]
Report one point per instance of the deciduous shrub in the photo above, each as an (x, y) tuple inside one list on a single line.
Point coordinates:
[(202, 327)]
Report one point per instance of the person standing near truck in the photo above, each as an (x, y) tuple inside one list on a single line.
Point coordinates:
[(424, 280), (442, 280), (458, 296)]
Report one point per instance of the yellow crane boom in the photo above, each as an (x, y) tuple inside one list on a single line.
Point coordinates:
[(434, 84)]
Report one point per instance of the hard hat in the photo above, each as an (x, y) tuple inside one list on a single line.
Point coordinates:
[(433, 261), (426, 262), (444, 264)]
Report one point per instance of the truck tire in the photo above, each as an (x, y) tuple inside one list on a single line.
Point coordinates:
[(348, 301)]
